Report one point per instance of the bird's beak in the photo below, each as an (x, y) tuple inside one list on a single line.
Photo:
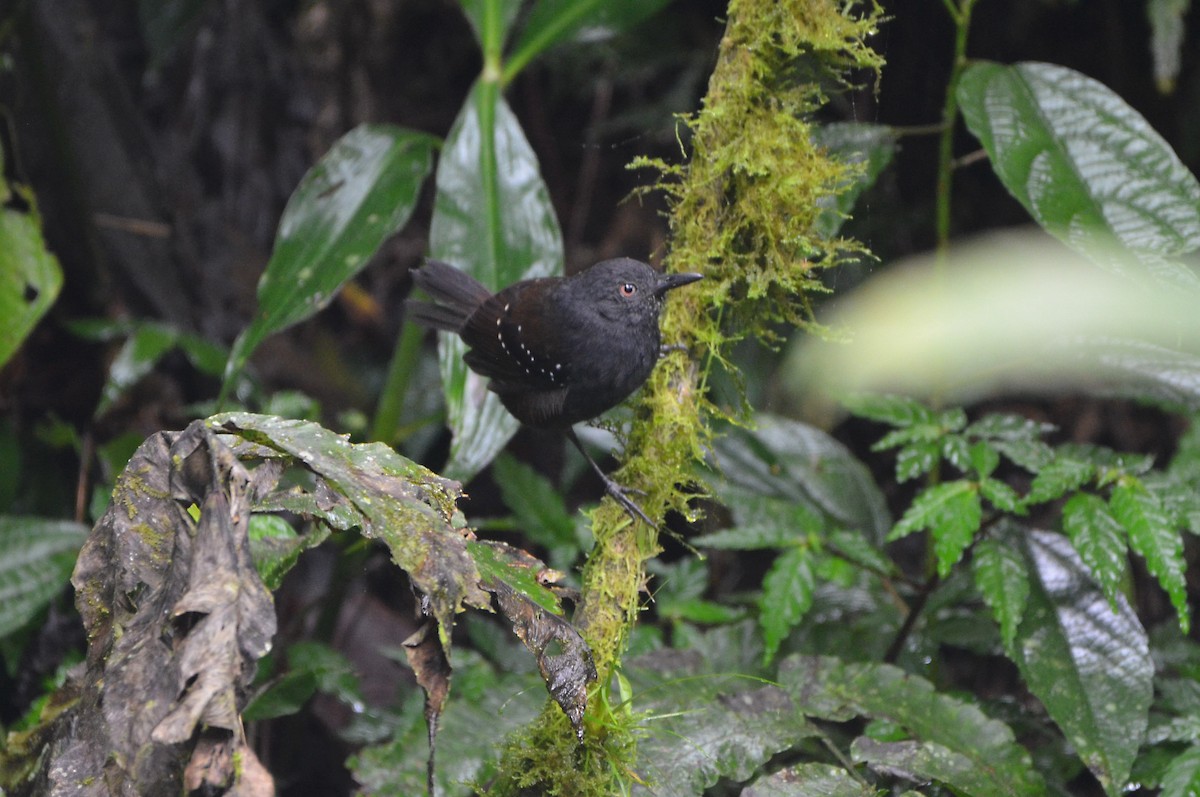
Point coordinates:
[(668, 281)]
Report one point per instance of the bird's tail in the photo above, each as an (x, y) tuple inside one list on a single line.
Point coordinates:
[(456, 295)]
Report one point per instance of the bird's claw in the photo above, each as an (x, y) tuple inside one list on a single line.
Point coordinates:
[(620, 495)]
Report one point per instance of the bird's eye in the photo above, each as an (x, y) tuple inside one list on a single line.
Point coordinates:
[(628, 289)]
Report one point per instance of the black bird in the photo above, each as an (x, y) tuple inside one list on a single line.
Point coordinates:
[(558, 350)]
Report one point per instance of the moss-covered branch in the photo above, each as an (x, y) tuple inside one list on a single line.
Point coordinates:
[(743, 210)]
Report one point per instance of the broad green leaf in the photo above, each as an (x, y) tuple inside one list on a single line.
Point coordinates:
[(810, 780), (36, 559), (1100, 541), (552, 22), (1155, 538), (1089, 665), (1086, 166), (1182, 777), (493, 218), (30, 278), (984, 459), (312, 667), (519, 570), (1002, 579), (786, 597), (797, 462), (947, 739), (704, 726), (916, 459), (363, 190), (143, 349), (869, 149), (952, 513)]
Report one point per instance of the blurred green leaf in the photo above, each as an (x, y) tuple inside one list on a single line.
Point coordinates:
[(870, 149), (889, 408), (363, 190), (1100, 541), (1156, 538), (275, 546), (761, 521), (1002, 579), (1086, 166), (1011, 313), (794, 461), (1015, 437), (37, 556), (1089, 665), (539, 510), (809, 780), (311, 667), (1182, 776), (30, 278), (1058, 477), (552, 22), (492, 218), (949, 740), (787, 596), (491, 21), (1167, 29)]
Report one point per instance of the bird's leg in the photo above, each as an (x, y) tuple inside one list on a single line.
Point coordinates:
[(666, 348), (618, 492)]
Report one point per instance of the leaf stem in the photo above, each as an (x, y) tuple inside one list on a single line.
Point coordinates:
[(962, 21)]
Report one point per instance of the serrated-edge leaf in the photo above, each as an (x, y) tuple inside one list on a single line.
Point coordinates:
[(889, 408), (952, 513), (1155, 538), (787, 596), (1100, 541), (1061, 475), (1001, 496), (1003, 579)]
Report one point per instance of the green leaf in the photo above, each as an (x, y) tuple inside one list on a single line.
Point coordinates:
[(1155, 538), (145, 346), (363, 190), (492, 218), (1002, 496), (809, 780), (787, 596), (553, 22), (1003, 580), (539, 509), (491, 21), (797, 462), (516, 568), (704, 726), (30, 278), (1090, 666), (1014, 437), (1085, 165), (1100, 541), (1060, 476), (888, 408), (761, 521), (948, 739), (1182, 777), (917, 459), (984, 459), (312, 667), (36, 559), (868, 149), (276, 547), (952, 513)]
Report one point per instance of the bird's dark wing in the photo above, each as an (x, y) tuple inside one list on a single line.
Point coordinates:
[(515, 344)]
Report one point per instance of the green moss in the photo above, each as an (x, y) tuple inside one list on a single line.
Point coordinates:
[(743, 211)]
